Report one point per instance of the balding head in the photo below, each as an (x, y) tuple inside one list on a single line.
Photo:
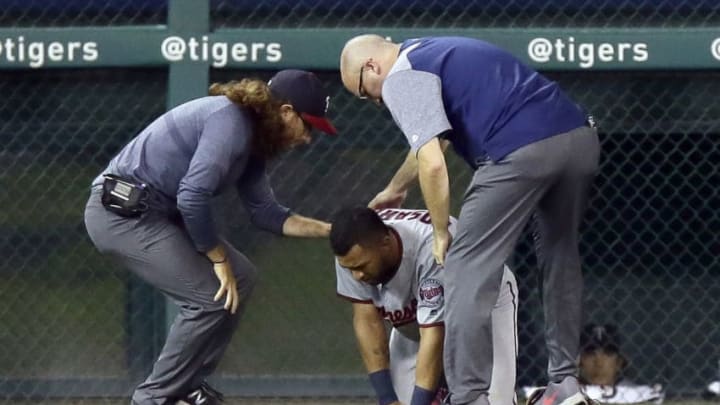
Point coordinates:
[(376, 52), (358, 49)]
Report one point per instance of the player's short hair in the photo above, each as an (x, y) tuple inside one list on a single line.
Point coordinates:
[(355, 226)]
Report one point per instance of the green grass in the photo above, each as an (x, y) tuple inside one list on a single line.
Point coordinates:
[(45, 196), (294, 322), (61, 327)]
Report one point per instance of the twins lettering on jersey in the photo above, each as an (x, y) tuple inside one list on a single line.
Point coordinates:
[(431, 293), (401, 316)]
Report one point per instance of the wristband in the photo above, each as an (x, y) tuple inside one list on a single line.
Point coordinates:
[(220, 262), (421, 396), (382, 383)]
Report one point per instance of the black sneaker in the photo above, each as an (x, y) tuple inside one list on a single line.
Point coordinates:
[(203, 395)]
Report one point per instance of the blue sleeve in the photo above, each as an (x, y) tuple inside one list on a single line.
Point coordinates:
[(224, 140), (259, 199)]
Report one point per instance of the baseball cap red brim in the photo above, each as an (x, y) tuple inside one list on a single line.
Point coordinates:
[(321, 123)]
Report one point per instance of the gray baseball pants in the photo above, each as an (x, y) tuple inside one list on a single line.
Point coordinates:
[(404, 349), (550, 179), (161, 253)]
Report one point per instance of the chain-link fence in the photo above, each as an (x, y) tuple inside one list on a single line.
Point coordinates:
[(76, 326), (465, 13), (62, 13), (66, 314)]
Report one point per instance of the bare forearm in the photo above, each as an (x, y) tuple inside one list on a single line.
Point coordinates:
[(372, 342), (436, 193), (429, 359), (406, 175), (373, 345), (297, 225), (435, 184)]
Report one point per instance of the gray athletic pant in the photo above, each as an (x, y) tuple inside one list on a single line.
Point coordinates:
[(549, 178), (160, 252)]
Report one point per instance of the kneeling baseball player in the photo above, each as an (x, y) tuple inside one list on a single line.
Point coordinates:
[(385, 267)]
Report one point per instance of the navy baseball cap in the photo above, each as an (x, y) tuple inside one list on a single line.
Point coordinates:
[(304, 91), (605, 337)]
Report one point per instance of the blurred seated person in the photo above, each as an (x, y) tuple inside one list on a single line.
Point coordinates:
[(602, 367), (601, 362)]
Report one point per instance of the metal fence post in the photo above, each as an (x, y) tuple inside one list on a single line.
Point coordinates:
[(186, 79)]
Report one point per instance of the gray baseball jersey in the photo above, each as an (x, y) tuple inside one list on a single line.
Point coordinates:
[(414, 298)]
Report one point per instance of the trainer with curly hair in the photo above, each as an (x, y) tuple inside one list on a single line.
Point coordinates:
[(151, 209)]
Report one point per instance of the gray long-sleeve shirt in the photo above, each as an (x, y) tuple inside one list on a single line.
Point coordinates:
[(194, 152)]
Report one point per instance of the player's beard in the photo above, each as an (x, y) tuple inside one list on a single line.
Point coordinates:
[(386, 274), (390, 263)]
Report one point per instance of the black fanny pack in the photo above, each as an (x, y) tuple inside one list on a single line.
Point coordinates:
[(124, 197)]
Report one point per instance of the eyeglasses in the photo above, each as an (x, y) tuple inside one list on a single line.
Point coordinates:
[(362, 94)]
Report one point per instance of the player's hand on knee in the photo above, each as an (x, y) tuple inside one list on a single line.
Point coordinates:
[(228, 286), (387, 199)]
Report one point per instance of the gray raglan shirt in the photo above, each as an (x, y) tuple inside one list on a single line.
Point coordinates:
[(194, 152)]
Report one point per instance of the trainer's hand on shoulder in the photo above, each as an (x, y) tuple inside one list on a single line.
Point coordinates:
[(441, 244), (388, 199), (228, 285)]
